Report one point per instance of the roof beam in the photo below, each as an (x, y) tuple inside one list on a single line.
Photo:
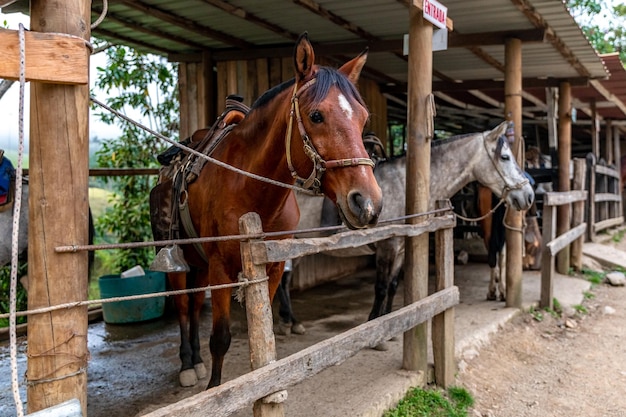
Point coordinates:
[(457, 40), (187, 24), (252, 18), (143, 29)]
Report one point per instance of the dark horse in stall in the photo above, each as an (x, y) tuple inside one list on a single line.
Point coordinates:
[(455, 162), (310, 124)]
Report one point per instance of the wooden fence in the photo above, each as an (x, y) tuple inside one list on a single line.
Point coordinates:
[(553, 244), (604, 207), (265, 385)]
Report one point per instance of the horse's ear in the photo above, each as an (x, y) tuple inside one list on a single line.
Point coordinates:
[(498, 130), (352, 69), (304, 57)]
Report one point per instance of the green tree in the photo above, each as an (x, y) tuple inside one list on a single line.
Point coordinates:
[(603, 24), (142, 87)]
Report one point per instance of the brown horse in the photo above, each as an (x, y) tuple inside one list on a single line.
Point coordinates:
[(310, 124)]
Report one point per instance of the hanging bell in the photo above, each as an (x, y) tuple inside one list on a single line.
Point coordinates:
[(170, 259)]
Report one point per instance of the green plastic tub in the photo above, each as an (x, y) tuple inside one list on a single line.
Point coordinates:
[(131, 311)]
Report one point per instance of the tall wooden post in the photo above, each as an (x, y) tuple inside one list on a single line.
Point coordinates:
[(59, 158), (565, 154), (513, 110), (419, 121)]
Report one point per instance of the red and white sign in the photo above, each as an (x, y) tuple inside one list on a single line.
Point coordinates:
[(435, 12)]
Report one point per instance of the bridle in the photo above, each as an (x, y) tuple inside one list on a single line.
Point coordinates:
[(314, 181), (507, 188)]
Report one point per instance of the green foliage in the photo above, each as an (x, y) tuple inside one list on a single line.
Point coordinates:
[(602, 23), (142, 87), (617, 237), (5, 290), (535, 313), (433, 403)]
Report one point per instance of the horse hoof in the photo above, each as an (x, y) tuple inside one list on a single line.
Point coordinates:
[(502, 297), (188, 378), (298, 328), (200, 370), (284, 328), (491, 296), (382, 347)]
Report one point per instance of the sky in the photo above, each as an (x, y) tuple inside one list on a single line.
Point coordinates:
[(9, 103)]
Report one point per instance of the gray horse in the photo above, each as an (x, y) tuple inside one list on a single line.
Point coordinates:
[(455, 162)]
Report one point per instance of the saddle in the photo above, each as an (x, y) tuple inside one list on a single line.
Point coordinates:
[(7, 182), (180, 168)]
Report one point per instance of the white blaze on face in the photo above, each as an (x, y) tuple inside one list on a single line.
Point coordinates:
[(345, 106)]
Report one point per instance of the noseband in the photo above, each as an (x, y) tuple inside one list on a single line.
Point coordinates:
[(314, 180)]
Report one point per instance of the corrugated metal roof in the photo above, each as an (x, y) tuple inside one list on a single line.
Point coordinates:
[(240, 26)]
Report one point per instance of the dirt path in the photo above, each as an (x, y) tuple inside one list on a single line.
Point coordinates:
[(557, 367)]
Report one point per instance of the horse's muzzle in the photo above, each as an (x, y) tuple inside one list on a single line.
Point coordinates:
[(522, 198), (363, 210)]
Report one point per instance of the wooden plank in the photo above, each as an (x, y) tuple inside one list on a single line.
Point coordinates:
[(556, 245), (608, 171), (605, 224), (555, 198), (50, 57), (233, 395), (258, 313), (603, 197), (281, 250)]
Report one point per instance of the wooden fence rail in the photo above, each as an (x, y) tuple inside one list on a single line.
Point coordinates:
[(553, 244), (265, 384)]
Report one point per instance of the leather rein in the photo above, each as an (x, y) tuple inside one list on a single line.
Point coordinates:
[(314, 181)]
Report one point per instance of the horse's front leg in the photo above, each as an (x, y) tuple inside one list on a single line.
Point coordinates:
[(220, 333), (287, 321), (502, 282), (195, 308)]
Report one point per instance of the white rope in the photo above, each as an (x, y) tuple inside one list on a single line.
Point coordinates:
[(135, 297), (14, 237)]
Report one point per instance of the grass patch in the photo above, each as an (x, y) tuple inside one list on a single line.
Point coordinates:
[(617, 237), (595, 277), (433, 403)]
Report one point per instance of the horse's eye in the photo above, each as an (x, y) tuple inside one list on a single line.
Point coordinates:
[(316, 116), (505, 157)]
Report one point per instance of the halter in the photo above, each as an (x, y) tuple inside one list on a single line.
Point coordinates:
[(507, 188), (314, 180)]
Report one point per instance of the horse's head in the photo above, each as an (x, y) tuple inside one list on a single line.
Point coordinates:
[(501, 173), (330, 116)]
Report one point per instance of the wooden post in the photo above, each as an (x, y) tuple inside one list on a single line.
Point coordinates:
[(595, 131), (513, 109), (591, 201), (443, 324), (565, 154), (618, 166), (578, 212), (547, 260), (196, 91), (259, 316), (59, 158), (419, 120)]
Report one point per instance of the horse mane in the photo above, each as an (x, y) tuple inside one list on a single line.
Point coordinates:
[(326, 77)]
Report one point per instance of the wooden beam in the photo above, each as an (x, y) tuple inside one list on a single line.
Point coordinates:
[(513, 112), (59, 212), (185, 23), (50, 57), (457, 40)]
